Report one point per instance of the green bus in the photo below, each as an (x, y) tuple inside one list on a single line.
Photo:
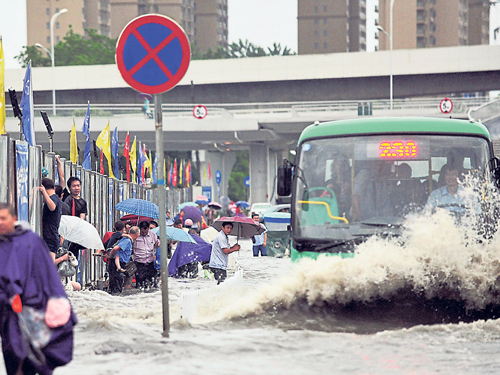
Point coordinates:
[(353, 179)]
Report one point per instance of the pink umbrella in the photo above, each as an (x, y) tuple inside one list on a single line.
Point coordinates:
[(201, 199), (242, 226), (215, 205)]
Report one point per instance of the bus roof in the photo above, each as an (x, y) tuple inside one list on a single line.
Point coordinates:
[(393, 125)]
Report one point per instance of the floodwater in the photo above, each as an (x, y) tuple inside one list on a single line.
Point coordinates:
[(425, 304)]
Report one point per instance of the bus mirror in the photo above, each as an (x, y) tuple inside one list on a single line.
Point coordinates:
[(495, 168), (285, 179)]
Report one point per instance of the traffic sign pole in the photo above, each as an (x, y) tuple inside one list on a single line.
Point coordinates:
[(152, 55), (162, 204)]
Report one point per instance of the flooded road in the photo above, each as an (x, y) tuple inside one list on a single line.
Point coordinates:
[(392, 309)]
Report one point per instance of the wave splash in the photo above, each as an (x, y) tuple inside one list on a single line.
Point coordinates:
[(436, 272)]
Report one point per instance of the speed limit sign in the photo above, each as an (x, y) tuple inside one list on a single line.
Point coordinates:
[(200, 111), (446, 105)]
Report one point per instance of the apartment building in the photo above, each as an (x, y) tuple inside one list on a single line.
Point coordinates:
[(210, 24), (434, 23), (109, 17), (326, 26)]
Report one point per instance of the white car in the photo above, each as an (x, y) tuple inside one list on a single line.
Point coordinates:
[(259, 208)]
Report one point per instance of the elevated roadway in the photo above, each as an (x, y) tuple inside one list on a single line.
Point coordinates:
[(337, 76)]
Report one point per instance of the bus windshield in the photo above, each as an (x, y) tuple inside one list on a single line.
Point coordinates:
[(348, 187)]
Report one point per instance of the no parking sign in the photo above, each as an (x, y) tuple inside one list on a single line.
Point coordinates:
[(153, 53)]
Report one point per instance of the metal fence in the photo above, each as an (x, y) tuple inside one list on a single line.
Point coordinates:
[(23, 170)]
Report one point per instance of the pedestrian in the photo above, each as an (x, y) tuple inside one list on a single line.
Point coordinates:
[(178, 223), (144, 255), (170, 221), (60, 193), (78, 207), (111, 238), (220, 252), (188, 224), (77, 204), (124, 250), (30, 287), (259, 241), (180, 216), (51, 216)]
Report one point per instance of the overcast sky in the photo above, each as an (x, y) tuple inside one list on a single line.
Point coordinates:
[(262, 22)]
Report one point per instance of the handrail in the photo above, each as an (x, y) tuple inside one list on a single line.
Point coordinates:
[(461, 105), (327, 210)]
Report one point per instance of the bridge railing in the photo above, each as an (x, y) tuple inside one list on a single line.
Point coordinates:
[(294, 109)]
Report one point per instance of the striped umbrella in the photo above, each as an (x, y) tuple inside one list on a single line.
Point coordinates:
[(139, 207)]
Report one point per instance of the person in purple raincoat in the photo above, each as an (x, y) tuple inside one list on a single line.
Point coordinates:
[(36, 319)]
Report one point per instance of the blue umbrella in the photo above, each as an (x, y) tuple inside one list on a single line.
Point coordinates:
[(139, 207), (187, 204), (243, 204), (175, 234)]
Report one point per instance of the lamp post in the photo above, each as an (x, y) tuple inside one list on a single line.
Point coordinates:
[(380, 28), (52, 21)]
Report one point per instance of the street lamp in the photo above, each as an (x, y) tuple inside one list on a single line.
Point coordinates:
[(38, 45), (52, 21), (380, 28)]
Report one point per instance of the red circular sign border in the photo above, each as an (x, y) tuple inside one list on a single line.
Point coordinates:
[(194, 109), (186, 52), (451, 109)]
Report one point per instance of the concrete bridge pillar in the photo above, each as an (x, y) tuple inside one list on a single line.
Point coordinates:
[(224, 162), (259, 174)]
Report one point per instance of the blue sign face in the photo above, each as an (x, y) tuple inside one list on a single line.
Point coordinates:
[(246, 181), (218, 177), (207, 192)]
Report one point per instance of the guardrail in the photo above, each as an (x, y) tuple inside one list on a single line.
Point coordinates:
[(293, 109)]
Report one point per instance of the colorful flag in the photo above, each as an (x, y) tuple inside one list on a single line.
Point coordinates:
[(155, 172), (174, 174), (73, 145), (140, 167), (170, 173), (105, 146), (86, 131), (126, 153), (102, 161), (189, 175), (147, 162), (209, 172), (28, 127), (3, 115), (180, 173), (204, 173), (133, 160), (114, 150)]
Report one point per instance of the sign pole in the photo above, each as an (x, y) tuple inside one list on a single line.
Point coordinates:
[(162, 211)]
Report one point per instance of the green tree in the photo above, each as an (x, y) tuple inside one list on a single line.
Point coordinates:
[(236, 188), (244, 49), (35, 55), (278, 51), (74, 49)]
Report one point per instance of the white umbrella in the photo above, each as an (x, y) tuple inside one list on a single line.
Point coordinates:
[(79, 231)]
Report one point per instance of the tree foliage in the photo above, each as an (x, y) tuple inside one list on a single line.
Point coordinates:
[(240, 49), (74, 49), (236, 189)]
